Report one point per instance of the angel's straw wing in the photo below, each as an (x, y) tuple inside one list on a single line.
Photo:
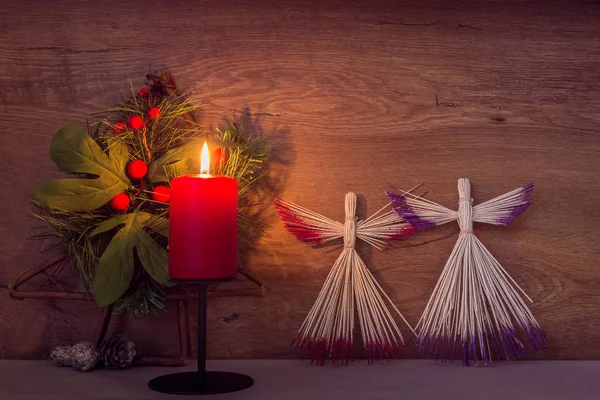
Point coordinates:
[(502, 210), (420, 212), (382, 227), (307, 225)]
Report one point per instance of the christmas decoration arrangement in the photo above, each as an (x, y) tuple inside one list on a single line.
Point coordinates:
[(328, 330), (110, 220), (476, 305), (110, 216), (114, 353)]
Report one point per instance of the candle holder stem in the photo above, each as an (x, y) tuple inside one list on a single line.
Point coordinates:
[(201, 381), (201, 337)]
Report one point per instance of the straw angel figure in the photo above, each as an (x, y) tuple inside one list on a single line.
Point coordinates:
[(475, 304), (327, 331)]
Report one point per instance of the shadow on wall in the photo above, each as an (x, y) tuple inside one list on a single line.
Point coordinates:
[(282, 157)]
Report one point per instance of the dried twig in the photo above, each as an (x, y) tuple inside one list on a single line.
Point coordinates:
[(164, 81), (104, 322)]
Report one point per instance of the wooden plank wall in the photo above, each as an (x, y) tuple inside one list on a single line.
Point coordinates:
[(352, 96)]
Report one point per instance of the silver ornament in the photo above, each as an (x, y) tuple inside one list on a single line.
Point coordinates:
[(82, 356), (61, 356)]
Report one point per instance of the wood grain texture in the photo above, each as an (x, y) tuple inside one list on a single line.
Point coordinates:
[(352, 97)]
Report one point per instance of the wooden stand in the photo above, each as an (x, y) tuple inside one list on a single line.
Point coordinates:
[(182, 310)]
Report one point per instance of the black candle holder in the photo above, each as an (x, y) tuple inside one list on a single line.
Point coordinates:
[(201, 381)]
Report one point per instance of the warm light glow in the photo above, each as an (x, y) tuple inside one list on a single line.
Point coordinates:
[(204, 160)]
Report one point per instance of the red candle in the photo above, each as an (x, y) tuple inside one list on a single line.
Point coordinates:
[(203, 226)]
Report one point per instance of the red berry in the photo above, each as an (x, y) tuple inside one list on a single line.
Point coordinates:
[(119, 128), (161, 193), (154, 112), (137, 169), (120, 202), (143, 92), (135, 122)]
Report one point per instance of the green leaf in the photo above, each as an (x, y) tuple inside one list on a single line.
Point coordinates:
[(178, 158), (114, 270), (116, 265), (75, 152), (154, 258), (159, 225), (112, 223)]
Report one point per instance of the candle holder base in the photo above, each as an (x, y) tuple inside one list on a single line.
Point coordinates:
[(187, 383), (201, 381)]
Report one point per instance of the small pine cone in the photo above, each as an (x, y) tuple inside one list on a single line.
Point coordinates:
[(84, 356), (117, 352)]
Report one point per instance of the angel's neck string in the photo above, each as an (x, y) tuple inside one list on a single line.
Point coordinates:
[(350, 223), (465, 207)]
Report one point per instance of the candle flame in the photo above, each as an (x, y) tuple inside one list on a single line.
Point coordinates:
[(204, 160)]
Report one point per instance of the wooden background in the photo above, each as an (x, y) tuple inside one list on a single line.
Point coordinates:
[(352, 97)]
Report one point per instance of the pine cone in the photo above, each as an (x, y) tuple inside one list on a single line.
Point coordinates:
[(117, 352)]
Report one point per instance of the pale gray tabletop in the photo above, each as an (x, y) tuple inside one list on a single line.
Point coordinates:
[(291, 380)]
